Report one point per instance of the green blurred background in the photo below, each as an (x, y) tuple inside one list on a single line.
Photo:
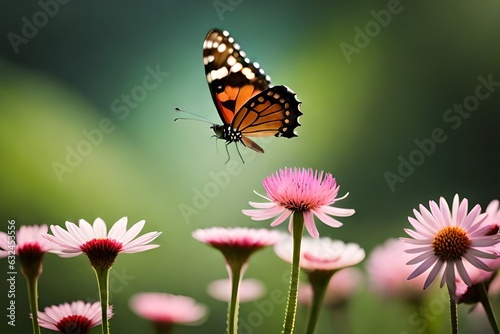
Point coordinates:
[(361, 113)]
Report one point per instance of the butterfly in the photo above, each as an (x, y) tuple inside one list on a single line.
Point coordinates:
[(242, 93)]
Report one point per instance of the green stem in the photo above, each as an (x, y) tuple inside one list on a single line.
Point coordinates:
[(483, 297), (291, 308), (319, 283), (232, 316), (453, 315), (32, 282), (102, 275)]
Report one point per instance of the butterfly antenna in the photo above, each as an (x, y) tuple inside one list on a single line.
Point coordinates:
[(198, 117)]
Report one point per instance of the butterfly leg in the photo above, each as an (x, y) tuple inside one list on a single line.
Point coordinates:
[(228, 155), (238, 150)]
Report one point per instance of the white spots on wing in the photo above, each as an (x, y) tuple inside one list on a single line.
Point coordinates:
[(231, 61), (208, 59), (208, 44), (236, 46), (230, 40), (246, 60), (248, 73), (237, 67), (221, 48), (256, 65), (225, 33), (215, 44), (217, 74)]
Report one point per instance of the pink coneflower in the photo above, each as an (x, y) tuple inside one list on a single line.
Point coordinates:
[(443, 239), (236, 244), (300, 190), (30, 245), (321, 258), (77, 317), (165, 310), (388, 272), (322, 254), (250, 289), (100, 246)]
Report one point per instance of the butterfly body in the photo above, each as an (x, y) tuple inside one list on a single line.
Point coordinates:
[(242, 93)]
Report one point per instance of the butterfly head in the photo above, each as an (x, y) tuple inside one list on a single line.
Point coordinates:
[(219, 130)]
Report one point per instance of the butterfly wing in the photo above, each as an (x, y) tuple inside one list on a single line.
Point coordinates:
[(232, 79), (273, 112)]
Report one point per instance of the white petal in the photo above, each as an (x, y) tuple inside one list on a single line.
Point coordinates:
[(118, 229), (326, 219), (100, 228), (260, 205), (85, 230), (132, 232), (338, 212), (143, 239)]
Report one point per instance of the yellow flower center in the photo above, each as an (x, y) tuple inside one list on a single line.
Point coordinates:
[(451, 243)]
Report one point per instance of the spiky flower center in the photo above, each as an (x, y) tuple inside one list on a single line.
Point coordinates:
[(74, 324), (451, 243), (102, 252)]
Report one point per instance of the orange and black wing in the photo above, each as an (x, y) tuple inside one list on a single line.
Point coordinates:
[(232, 79), (273, 112)]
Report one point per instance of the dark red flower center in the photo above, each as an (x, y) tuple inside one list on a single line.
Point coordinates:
[(451, 243), (30, 256), (74, 324), (102, 252)]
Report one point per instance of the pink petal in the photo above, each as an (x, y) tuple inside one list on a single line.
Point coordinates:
[(309, 223)]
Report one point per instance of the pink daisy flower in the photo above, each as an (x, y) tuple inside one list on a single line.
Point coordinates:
[(236, 245), (443, 239), (249, 289), (303, 190), (322, 254), (165, 310), (28, 241), (238, 242), (77, 317), (100, 246), (30, 245)]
